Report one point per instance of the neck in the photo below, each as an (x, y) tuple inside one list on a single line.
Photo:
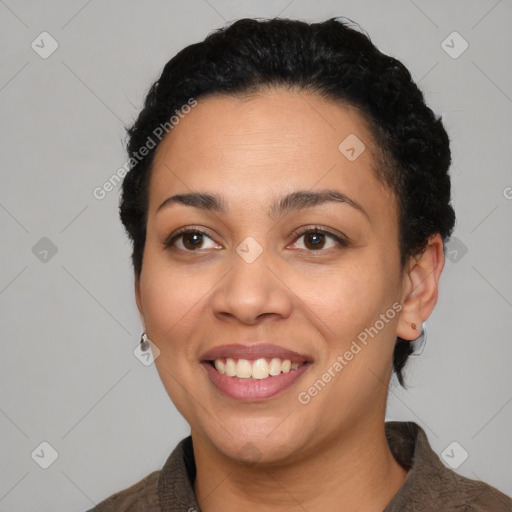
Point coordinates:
[(354, 471)]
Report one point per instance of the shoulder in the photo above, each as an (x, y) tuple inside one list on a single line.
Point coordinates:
[(141, 496), (478, 496), (170, 486), (432, 486)]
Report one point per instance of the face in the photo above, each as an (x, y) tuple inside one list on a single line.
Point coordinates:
[(317, 277)]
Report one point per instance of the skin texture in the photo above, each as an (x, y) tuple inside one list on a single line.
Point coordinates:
[(253, 150)]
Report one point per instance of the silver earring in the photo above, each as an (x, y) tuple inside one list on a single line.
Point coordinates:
[(419, 342), (144, 342)]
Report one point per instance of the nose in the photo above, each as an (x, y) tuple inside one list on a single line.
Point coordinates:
[(251, 290)]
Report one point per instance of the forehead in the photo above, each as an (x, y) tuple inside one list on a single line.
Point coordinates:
[(252, 147)]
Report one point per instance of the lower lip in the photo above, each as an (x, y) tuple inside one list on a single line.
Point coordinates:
[(254, 390)]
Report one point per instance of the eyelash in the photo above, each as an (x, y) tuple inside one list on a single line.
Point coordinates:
[(297, 234)]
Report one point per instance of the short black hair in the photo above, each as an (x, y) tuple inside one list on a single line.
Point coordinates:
[(336, 61)]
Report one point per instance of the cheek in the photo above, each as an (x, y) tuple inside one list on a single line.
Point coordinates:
[(172, 299), (172, 302), (349, 297)]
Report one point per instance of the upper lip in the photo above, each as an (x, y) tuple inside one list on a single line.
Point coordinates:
[(256, 351)]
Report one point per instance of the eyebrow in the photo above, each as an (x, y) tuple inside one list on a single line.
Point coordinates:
[(294, 201)]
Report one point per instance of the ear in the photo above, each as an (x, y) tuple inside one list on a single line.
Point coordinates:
[(139, 300), (420, 288)]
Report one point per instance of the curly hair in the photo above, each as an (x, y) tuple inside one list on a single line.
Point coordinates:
[(337, 62)]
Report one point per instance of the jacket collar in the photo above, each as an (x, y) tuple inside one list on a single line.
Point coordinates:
[(428, 481)]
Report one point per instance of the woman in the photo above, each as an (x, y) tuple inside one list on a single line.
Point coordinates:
[(288, 203)]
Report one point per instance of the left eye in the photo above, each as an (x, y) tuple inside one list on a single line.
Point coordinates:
[(315, 239)]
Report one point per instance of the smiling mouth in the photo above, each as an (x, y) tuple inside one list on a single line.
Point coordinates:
[(256, 369)]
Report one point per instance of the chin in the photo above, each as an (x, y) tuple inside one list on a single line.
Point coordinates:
[(257, 442)]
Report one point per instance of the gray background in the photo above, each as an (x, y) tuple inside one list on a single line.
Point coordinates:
[(69, 322)]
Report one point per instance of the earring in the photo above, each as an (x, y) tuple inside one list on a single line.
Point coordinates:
[(144, 342)]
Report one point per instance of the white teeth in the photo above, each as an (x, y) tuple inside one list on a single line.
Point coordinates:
[(258, 369), (221, 367), (275, 366), (230, 367), (243, 369)]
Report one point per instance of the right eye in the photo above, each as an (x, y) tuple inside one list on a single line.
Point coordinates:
[(190, 240)]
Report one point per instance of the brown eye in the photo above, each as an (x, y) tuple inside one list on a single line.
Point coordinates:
[(192, 240), (316, 239), (189, 240)]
